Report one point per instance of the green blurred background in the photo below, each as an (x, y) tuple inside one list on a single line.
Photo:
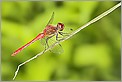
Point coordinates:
[(92, 54)]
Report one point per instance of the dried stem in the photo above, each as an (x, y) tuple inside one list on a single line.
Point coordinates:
[(67, 37)]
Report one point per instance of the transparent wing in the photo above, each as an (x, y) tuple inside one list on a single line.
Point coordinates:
[(43, 41), (56, 49), (51, 19)]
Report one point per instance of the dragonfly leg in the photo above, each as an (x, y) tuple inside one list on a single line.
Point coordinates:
[(47, 41), (64, 34), (58, 39), (46, 44)]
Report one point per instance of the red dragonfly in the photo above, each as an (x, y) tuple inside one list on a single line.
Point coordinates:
[(48, 32)]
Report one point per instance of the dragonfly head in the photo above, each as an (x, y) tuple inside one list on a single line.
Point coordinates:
[(60, 26)]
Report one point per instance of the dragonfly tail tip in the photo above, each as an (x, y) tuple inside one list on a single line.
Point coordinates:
[(13, 54)]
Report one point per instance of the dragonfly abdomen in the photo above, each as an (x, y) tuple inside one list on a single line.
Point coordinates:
[(39, 36)]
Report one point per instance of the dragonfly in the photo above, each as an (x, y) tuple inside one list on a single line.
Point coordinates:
[(49, 31)]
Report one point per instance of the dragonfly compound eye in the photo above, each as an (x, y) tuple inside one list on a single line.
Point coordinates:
[(60, 26)]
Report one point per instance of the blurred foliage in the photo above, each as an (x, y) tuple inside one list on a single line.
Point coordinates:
[(92, 54)]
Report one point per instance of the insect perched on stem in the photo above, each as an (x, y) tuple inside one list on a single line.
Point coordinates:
[(48, 32)]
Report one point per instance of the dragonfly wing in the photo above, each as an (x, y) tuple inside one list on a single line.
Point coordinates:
[(51, 19), (56, 49), (43, 41)]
